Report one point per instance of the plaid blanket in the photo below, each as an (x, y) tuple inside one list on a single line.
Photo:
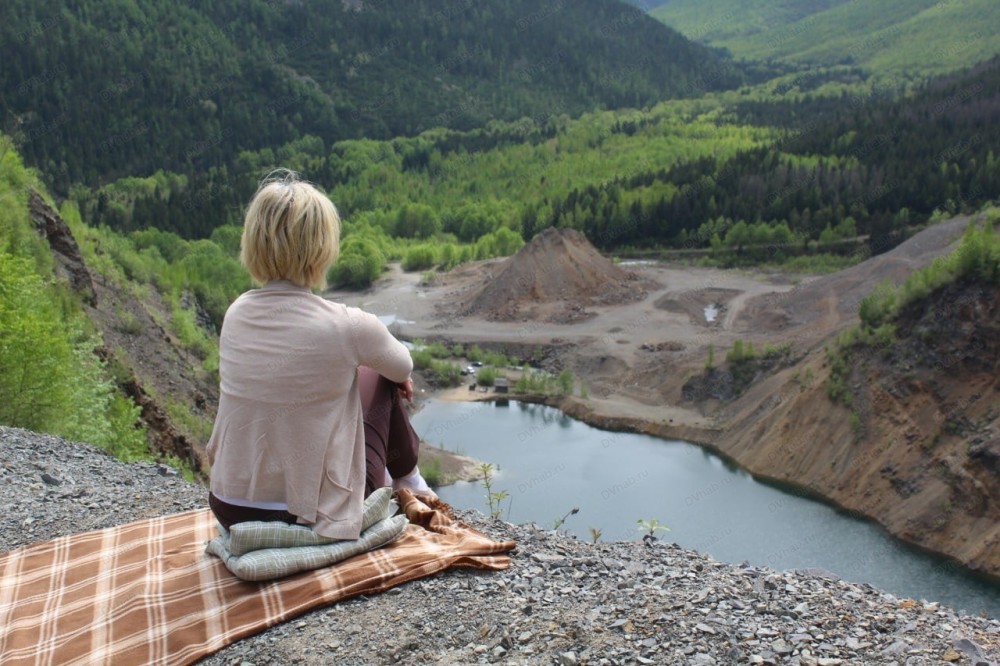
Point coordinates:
[(147, 593)]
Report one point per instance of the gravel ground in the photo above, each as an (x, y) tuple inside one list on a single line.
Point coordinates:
[(563, 601)]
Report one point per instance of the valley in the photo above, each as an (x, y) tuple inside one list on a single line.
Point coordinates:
[(637, 358), (679, 220)]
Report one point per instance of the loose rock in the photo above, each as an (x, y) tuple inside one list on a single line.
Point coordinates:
[(563, 601)]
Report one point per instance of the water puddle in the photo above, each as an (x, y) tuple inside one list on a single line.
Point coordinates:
[(391, 319)]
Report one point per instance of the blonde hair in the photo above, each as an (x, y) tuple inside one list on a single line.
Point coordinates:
[(291, 231)]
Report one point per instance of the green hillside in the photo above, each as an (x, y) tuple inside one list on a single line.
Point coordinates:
[(51, 380), (723, 20), (829, 158), (800, 175), (893, 37), (97, 90), (847, 166)]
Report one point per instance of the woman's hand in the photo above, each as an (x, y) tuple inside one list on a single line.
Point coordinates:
[(406, 390)]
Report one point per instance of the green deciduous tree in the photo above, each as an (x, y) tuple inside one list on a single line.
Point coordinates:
[(417, 221), (419, 257), (50, 379), (361, 262)]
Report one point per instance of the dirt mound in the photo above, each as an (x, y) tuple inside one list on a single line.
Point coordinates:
[(554, 278)]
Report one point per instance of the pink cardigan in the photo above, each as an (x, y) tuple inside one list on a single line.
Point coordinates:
[(289, 425)]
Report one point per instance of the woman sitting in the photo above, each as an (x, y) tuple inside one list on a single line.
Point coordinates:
[(310, 419)]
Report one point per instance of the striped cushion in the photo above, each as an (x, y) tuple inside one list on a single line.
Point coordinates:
[(256, 551), (243, 538)]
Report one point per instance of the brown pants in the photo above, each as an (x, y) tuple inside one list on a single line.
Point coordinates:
[(390, 442)]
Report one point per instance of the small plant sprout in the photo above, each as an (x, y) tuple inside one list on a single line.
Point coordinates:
[(595, 535), (494, 499), (558, 522), (650, 528)]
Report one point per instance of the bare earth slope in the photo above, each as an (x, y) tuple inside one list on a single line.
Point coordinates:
[(919, 447), (152, 366)]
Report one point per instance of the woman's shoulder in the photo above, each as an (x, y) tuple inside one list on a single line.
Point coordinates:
[(281, 302), (354, 315)]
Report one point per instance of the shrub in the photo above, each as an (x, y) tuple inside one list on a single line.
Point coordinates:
[(857, 426), (879, 305), (419, 258), (565, 382), (361, 262), (447, 374), (422, 358), (741, 352), (487, 376), (496, 358), (534, 381), (430, 469), (437, 350)]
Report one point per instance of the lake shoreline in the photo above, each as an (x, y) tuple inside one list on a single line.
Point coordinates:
[(578, 410)]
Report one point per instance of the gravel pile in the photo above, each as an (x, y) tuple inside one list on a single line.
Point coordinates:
[(563, 601), (558, 265)]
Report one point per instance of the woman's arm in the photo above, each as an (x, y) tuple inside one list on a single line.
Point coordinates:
[(406, 389), (380, 351)]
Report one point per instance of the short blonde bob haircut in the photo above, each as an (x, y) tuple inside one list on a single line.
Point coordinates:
[(291, 231)]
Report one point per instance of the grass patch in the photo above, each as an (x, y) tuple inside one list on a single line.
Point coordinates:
[(198, 428), (127, 322), (432, 472)]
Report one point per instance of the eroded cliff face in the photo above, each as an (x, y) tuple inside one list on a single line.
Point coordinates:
[(918, 447), (69, 263), (151, 365)]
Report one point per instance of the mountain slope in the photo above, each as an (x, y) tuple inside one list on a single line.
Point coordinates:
[(104, 90), (914, 37), (920, 450), (882, 163)]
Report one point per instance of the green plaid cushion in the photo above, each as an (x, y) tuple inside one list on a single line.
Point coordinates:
[(268, 550), (247, 537)]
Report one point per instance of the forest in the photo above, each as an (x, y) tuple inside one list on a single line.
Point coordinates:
[(112, 89), (445, 132), (577, 131), (874, 169), (746, 178)]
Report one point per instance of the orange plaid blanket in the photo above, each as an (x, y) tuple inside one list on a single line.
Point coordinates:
[(147, 593)]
